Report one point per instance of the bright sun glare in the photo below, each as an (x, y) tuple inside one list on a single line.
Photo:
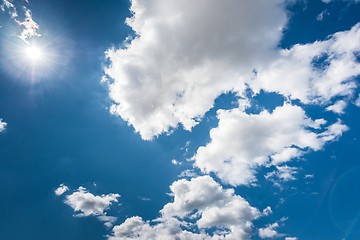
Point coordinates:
[(33, 53)]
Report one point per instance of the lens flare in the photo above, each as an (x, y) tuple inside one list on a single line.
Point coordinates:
[(34, 53)]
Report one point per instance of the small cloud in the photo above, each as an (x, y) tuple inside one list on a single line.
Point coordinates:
[(267, 211), (2, 125), (269, 231), (322, 15), (357, 102), (175, 162), (86, 204), (107, 220), (61, 190), (309, 176), (30, 27), (145, 199), (188, 173), (283, 173), (338, 107)]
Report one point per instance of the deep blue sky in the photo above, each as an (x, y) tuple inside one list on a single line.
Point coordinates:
[(60, 131)]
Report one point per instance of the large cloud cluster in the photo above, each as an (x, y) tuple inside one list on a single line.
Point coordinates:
[(185, 54)]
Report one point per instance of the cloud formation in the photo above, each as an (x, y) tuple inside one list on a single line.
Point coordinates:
[(185, 54), (23, 18), (199, 204), (315, 72), (242, 142), (61, 189), (85, 203), (2, 125), (182, 58)]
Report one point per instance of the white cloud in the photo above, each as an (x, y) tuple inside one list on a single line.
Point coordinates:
[(31, 28), (351, 1), (322, 15), (185, 55), (175, 162), (87, 204), (267, 211), (188, 173), (269, 231), (291, 238), (2, 125), (23, 18), (107, 220), (338, 107), (314, 72), (357, 101), (200, 199), (309, 176), (61, 189), (242, 142), (137, 228), (283, 173), (8, 6)]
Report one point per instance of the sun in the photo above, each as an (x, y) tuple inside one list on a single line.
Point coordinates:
[(34, 53)]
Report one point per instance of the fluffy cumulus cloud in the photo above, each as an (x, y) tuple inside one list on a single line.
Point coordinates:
[(185, 54), (314, 72), (2, 125), (269, 231), (242, 142), (85, 203), (199, 204)]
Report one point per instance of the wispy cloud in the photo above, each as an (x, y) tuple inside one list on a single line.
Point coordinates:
[(23, 18)]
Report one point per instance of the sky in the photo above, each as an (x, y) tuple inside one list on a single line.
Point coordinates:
[(169, 119)]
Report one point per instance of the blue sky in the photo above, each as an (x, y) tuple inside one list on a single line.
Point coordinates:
[(179, 119)]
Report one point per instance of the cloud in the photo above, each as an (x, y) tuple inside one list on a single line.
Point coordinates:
[(31, 28), (87, 204), (267, 211), (269, 231), (283, 173), (61, 189), (199, 203), (23, 18), (188, 173), (175, 162), (322, 15), (2, 125), (8, 6), (351, 1), (107, 220), (309, 176), (357, 101), (338, 107), (315, 72), (242, 142), (185, 54)]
